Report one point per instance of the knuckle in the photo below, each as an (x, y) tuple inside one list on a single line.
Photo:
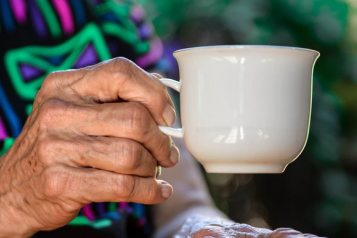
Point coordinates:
[(120, 61), (121, 65), (45, 146), (51, 81), (151, 194), (39, 96), (164, 146), (159, 90), (55, 181), (48, 81), (69, 207), (131, 155), (48, 109), (52, 110), (160, 94), (138, 119), (124, 186), (122, 70)]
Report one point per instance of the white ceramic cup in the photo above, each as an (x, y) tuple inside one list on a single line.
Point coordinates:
[(244, 109)]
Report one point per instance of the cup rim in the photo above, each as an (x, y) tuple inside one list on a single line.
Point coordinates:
[(213, 47)]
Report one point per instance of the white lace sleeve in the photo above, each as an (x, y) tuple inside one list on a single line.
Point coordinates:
[(190, 197)]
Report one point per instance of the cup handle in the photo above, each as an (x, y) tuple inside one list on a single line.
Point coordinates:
[(175, 132)]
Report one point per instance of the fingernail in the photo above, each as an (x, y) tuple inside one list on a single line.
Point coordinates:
[(169, 115), (175, 155), (166, 190)]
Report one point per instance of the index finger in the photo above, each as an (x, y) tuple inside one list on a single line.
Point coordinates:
[(121, 79)]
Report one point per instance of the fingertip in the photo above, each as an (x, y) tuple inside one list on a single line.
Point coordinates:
[(174, 155), (169, 115), (172, 159)]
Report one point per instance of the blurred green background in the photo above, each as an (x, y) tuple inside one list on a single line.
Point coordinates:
[(318, 192)]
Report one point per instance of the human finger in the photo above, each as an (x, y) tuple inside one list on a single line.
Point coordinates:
[(119, 155), (128, 120), (120, 78), (86, 185)]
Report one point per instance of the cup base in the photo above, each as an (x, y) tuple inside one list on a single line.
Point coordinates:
[(244, 168)]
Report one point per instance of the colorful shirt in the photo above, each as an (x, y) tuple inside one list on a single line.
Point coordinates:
[(41, 36)]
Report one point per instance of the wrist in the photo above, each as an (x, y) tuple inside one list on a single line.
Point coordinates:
[(12, 226), (12, 222)]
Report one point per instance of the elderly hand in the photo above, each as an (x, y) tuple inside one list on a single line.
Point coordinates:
[(92, 137), (206, 227)]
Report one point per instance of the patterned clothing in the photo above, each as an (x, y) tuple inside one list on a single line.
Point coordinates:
[(41, 36)]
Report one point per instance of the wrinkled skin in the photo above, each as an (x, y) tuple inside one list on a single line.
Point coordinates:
[(92, 137), (208, 227)]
